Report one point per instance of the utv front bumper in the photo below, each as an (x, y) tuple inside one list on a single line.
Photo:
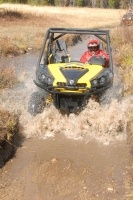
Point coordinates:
[(69, 90)]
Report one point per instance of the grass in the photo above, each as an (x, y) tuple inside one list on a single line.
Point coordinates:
[(27, 24), (9, 132), (8, 125), (7, 78), (122, 42)]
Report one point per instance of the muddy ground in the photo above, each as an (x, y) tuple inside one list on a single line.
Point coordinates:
[(82, 157), (60, 168)]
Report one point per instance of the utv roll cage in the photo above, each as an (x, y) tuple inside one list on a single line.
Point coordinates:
[(53, 34)]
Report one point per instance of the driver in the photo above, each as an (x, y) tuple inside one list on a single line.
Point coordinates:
[(94, 50)]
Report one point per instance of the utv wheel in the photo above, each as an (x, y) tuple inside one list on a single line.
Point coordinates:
[(36, 103)]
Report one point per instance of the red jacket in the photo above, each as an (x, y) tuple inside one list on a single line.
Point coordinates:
[(87, 55)]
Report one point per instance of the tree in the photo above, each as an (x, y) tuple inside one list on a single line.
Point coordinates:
[(79, 2), (111, 3)]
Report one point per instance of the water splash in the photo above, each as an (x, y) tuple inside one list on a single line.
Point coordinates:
[(104, 124)]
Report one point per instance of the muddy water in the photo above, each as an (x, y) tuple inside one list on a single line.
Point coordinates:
[(81, 157), (24, 67), (60, 168)]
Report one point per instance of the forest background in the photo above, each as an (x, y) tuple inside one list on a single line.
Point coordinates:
[(117, 4)]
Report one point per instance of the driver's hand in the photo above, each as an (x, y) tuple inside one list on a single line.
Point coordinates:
[(104, 57)]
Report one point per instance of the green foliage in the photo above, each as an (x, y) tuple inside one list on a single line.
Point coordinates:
[(51, 2), (14, 1), (79, 3), (111, 3), (37, 2), (31, 2), (98, 3), (57, 2), (124, 4)]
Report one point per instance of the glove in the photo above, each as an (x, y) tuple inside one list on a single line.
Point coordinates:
[(104, 57)]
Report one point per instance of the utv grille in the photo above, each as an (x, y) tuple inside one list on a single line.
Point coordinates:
[(63, 84), (74, 67), (81, 84)]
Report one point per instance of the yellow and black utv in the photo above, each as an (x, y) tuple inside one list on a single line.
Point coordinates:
[(63, 80)]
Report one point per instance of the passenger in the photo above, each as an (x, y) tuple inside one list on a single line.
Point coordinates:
[(94, 50)]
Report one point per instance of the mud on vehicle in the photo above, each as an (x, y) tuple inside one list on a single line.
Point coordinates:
[(62, 79)]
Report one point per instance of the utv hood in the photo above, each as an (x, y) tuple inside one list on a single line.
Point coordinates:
[(73, 74)]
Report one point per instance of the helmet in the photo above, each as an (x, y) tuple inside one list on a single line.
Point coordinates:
[(93, 43)]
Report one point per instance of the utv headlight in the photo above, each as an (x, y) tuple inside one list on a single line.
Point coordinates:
[(99, 82), (50, 81), (45, 79), (94, 83), (44, 76), (102, 81)]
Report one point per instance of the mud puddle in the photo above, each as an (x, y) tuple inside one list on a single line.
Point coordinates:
[(61, 168)]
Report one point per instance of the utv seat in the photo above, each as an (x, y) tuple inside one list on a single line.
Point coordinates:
[(65, 59), (59, 54), (57, 59), (54, 59)]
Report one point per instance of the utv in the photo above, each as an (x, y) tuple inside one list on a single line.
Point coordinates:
[(62, 79), (127, 19)]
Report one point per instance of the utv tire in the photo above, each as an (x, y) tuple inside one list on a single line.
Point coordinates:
[(36, 103)]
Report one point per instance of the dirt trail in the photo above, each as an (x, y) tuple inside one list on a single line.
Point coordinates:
[(81, 157)]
